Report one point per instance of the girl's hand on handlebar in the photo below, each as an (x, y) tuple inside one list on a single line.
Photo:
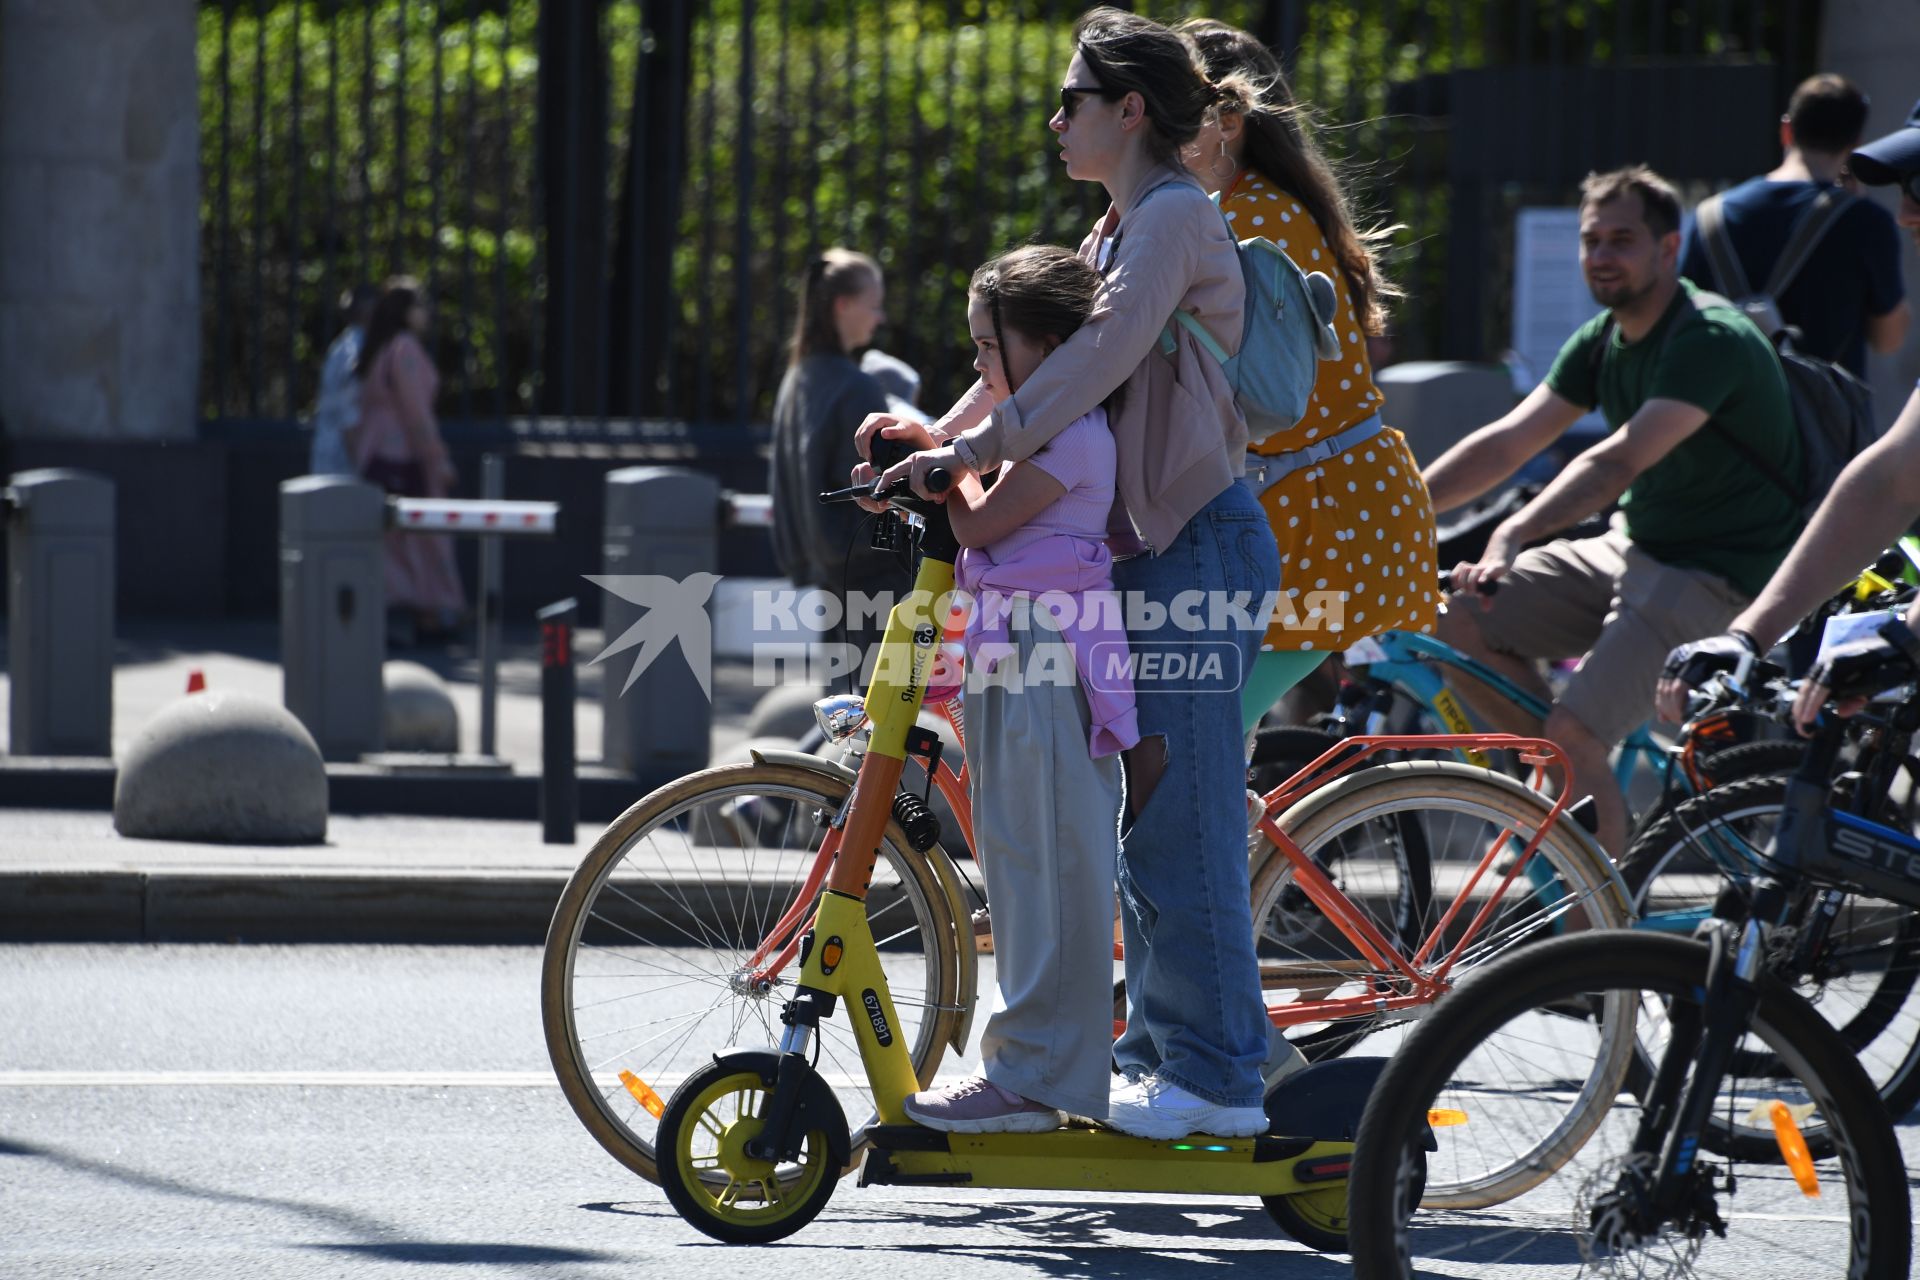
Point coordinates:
[(875, 423), (914, 471), (863, 475)]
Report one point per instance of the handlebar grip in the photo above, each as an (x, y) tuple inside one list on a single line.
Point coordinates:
[(938, 480), (1486, 588)]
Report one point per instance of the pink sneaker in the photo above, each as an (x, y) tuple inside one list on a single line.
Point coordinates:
[(978, 1105)]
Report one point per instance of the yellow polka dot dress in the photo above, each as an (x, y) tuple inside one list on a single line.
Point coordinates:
[(1356, 530)]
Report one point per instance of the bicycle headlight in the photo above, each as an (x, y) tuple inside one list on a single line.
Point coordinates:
[(840, 715)]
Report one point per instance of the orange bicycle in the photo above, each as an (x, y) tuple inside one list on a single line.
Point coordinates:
[(1374, 889)]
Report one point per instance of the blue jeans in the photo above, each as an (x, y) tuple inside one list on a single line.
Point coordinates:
[(1195, 1015)]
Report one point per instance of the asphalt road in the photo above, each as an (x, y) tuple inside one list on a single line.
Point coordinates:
[(213, 1111)]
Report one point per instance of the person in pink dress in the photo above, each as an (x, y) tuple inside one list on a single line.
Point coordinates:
[(397, 446)]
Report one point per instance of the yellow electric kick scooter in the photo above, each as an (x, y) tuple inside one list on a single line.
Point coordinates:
[(751, 1145)]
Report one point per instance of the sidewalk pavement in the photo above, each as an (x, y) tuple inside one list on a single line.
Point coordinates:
[(66, 874)]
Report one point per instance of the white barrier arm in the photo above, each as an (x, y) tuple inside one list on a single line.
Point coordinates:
[(472, 515)]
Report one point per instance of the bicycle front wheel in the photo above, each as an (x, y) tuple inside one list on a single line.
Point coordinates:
[(1403, 844), (665, 948), (1495, 1058), (1864, 979)]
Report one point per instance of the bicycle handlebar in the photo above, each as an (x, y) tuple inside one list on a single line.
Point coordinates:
[(1485, 589)]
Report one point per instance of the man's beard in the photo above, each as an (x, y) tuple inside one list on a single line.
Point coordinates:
[(1622, 294)]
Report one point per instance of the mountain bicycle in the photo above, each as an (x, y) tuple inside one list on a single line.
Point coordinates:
[(1715, 1139)]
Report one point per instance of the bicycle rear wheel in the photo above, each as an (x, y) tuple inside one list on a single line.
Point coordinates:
[(649, 972), (1499, 1052), (1401, 842), (1866, 980)]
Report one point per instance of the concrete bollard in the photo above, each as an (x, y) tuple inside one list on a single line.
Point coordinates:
[(333, 611), (1436, 403), (60, 580), (662, 522), (420, 714), (223, 767)]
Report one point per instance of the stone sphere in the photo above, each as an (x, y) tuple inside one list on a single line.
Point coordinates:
[(786, 712), (420, 714), (223, 767)]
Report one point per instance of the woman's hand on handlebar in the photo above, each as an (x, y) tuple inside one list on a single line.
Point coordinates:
[(914, 471), (914, 433)]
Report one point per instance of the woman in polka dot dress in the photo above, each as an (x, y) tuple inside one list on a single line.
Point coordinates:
[(1342, 490)]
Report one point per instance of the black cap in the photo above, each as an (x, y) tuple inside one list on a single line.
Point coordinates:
[(1891, 158)]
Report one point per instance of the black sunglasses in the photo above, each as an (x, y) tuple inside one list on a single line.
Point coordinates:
[(1911, 185), (1070, 97)]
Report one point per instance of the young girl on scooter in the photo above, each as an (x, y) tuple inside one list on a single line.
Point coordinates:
[(1045, 726)]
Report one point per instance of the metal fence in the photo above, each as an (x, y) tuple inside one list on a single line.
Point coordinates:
[(610, 201)]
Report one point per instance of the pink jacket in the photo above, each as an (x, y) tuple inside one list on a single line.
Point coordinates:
[(1075, 571), (396, 407)]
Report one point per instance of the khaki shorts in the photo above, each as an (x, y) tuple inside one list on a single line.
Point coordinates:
[(1607, 599)]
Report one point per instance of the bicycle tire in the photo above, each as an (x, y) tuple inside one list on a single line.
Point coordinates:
[(737, 908), (1879, 1018), (1387, 1237), (1717, 768), (1305, 948)]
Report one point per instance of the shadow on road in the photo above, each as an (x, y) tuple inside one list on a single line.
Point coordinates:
[(377, 1236), (1122, 1241)]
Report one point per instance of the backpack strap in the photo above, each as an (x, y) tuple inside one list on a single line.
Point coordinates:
[(1808, 231), (1727, 271), (1701, 301)]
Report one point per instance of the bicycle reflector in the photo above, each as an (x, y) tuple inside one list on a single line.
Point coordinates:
[(642, 1094), (1445, 1118), (1793, 1148)]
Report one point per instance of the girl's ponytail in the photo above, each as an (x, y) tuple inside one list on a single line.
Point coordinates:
[(830, 275)]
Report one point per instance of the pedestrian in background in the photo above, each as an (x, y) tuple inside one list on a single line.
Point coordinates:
[(1846, 294), (822, 400), (397, 446), (337, 410)]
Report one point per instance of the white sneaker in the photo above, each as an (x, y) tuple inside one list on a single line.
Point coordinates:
[(1159, 1109)]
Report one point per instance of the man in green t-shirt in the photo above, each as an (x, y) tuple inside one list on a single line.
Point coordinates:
[(1701, 449)]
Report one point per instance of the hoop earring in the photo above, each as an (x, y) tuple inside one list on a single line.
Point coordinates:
[(1214, 165)]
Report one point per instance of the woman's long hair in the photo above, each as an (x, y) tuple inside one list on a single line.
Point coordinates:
[(389, 320), (1279, 146), (832, 275)]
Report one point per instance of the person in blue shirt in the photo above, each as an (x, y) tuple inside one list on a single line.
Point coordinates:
[(1848, 296), (337, 411)]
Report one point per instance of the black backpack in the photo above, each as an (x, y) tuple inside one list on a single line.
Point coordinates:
[(1832, 409)]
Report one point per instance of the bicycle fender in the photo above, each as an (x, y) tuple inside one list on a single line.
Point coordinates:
[(967, 980)]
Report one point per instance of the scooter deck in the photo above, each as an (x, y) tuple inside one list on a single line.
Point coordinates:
[(1088, 1159)]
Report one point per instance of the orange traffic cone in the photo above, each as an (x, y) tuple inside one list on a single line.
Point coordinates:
[(196, 681)]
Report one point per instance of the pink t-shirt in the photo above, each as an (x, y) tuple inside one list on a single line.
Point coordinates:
[(1082, 459)]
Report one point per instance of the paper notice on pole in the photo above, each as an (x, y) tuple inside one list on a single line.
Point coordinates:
[(1550, 297)]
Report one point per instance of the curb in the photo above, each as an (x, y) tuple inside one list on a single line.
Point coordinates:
[(277, 905), (415, 790)]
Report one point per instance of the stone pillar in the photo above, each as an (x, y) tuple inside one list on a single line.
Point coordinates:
[(99, 218), (1876, 44)]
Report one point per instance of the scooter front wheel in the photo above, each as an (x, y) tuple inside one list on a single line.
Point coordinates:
[(713, 1182)]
